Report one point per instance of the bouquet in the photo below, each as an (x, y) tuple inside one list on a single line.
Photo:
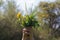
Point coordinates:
[(27, 20)]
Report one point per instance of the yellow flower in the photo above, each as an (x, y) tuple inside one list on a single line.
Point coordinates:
[(19, 15)]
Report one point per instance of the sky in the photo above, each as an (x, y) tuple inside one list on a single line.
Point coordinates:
[(30, 4)]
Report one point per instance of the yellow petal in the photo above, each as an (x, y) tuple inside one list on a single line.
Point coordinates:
[(19, 15)]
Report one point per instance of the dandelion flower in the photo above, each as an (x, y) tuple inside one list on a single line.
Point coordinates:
[(19, 15)]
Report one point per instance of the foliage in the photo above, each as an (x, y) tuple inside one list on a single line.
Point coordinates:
[(9, 29), (10, 25), (52, 10), (1, 2), (28, 20)]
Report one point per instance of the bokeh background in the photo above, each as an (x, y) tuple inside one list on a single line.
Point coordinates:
[(48, 12)]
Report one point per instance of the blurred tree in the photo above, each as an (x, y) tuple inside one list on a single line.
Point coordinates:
[(50, 9), (1, 2), (9, 29)]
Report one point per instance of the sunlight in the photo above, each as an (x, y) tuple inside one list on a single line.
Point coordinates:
[(29, 4)]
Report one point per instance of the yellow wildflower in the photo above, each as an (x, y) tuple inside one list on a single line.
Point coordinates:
[(19, 15)]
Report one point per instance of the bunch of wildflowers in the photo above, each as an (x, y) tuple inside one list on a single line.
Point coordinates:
[(27, 20)]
